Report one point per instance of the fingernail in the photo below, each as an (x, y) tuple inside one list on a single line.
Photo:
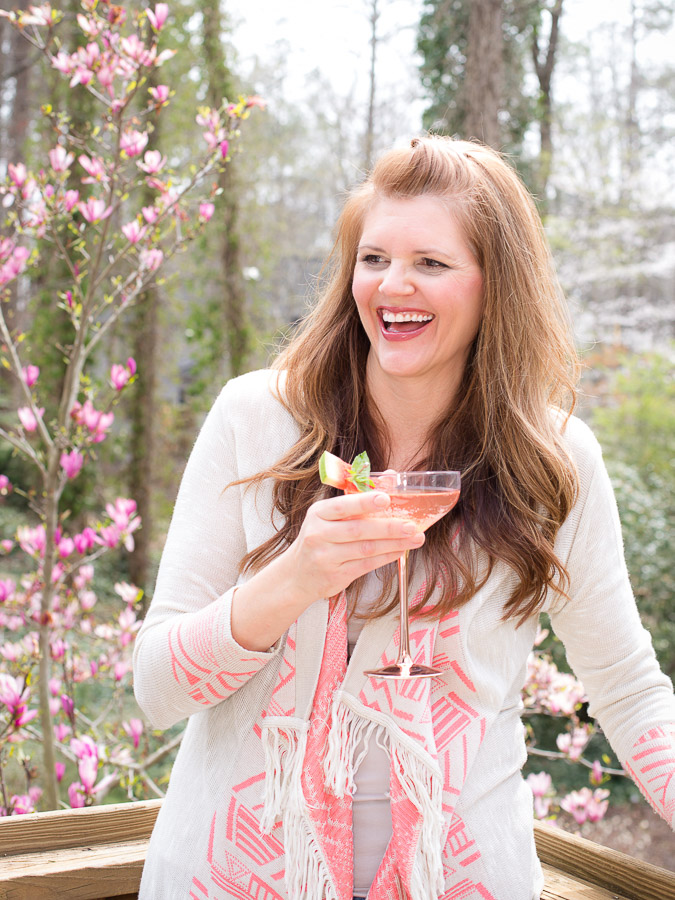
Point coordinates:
[(410, 528), (381, 500)]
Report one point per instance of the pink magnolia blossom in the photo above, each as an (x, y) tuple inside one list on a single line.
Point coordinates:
[(224, 147), (128, 592), (206, 210), (31, 540), (72, 463), (88, 600), (15, 696), (133, 142), (120, 375), (14, 263), (17, 173), (5, 486), (94, 210), (70, 199), (57, 649), (153, 162), (89, 25), (30, 374), (541, 786), (37, 15), (134, 232), (109, 536), (85, 573), (65, 547), (116, 15), (586, 805), (60, 159), (7, 588), (597, 775), (151, 259), (10, 652), (133, 47), (94, 167), (134, 728), (150, 214), (158, 16), (28, 418), (120, 669), (84, 541), (67, 705), (6, 545), (60, 770), (128, 625), (61, 732), (77, 795), (255, 100), (106, 78), (22, 804), (540, 783), (159, 94), (573, 745), (94, 420), (65, 63)]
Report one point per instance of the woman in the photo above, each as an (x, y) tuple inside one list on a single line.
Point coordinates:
[(440, 342)]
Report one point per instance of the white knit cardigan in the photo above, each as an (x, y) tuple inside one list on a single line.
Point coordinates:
[(235, 822)]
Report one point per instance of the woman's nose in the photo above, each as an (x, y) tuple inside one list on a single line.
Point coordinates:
[(396, 281)]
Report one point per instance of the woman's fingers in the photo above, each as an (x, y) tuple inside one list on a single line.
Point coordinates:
[(350, 506)]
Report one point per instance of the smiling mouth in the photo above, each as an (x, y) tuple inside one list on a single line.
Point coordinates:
[(399, 322)]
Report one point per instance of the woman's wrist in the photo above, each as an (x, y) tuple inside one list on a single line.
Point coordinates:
[(266, 605)]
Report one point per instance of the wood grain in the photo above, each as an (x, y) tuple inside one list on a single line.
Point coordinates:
[(561, 886), (625, 876), (77, 827)]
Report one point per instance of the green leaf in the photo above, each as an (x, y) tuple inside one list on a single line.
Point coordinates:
[(360, 473)]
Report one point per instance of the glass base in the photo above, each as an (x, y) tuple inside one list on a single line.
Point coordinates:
[(403, 670)]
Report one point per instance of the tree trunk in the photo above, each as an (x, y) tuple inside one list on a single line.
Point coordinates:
[(544, 64), (220, 85), (16, 60), (484, 71), (143, 430), (370, 123)]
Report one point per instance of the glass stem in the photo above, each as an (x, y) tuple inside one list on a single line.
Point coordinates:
[(404, 648)]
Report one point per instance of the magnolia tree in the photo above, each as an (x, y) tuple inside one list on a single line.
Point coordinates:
[(87, 206), (559, 696)]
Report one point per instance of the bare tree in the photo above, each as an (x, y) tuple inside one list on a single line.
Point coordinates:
[(484, 71), (544, 57)]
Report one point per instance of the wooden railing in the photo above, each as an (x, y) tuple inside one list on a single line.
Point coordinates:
[(98, 853)]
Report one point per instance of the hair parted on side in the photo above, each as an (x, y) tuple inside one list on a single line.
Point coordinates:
[(501, 431)]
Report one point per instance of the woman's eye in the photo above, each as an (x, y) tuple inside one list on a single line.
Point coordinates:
[(372, 259), (429, 263)]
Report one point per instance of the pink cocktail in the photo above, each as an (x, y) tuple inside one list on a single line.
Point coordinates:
[(422, 498)]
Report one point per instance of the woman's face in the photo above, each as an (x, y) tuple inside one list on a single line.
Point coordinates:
[(419, 292)]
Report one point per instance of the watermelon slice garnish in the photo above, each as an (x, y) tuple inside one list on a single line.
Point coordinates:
[(348, 478)]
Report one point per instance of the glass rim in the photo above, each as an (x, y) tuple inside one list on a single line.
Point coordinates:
[(416, 472)]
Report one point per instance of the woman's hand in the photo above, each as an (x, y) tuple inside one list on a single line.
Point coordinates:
[(345, 537), (340, 539)]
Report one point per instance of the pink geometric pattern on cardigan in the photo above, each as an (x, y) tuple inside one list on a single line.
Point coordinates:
[(652, 765), (451, 730), (230, 877), (244, 863), (195, 665), (331, 817)]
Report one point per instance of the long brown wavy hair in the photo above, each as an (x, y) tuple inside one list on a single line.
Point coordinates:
[(502, 430)]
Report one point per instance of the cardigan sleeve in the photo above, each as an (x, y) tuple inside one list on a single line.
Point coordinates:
[(607, 646), (185, 657)]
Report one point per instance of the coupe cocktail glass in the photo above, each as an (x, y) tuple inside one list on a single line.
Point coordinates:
[(422, 498)]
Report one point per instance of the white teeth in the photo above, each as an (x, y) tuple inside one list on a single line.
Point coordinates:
[(406, 317)]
